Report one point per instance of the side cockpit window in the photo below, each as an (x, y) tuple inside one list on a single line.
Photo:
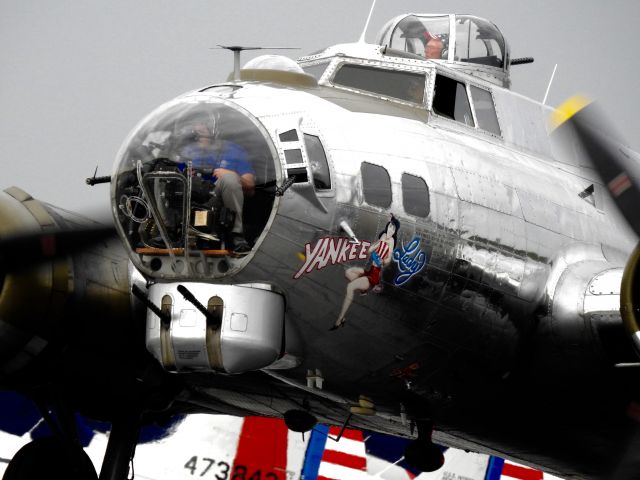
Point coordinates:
[(450, 100), (479, 41), (397, 84), (485, 110), (376, 185)]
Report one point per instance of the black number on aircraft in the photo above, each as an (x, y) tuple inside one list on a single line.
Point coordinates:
[(240, 472)]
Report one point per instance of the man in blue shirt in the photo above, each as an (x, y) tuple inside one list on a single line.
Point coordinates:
[(226, 164)]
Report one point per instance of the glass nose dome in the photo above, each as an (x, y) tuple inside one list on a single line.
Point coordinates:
[(192, 192)]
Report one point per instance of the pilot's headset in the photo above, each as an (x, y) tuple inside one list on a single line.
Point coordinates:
[(444, 53)]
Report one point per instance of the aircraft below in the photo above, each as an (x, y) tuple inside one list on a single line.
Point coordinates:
[(381, 237)]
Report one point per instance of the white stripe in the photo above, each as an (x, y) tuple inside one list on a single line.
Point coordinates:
[(378, 468), (339, 472), (296, 448), (346, 445)]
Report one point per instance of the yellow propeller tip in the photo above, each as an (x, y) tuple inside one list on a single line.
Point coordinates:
[(301, 256), (568, 109)]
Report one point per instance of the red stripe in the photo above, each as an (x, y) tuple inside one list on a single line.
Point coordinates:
[(521, 473), (619, 184), (262, 446), (348, 433), (345, 460), (320, 477), (383, 249)]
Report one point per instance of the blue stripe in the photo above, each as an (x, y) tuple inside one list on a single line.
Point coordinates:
[(494, 470), (315, 449)]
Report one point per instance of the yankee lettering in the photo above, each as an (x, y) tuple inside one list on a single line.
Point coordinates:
[(332, 251)]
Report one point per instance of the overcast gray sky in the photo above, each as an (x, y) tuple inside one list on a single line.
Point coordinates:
[(77, 75)]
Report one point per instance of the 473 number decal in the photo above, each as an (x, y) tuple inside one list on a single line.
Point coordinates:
[(201, 466)]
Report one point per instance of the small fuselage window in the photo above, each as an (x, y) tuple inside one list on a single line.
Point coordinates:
[(402, 85), (415, 195), (450, 100), (293, 156), (289, 136), (376, 185)]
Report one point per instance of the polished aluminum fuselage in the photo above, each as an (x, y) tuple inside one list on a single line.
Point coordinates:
[(504, 224), (521, 279)]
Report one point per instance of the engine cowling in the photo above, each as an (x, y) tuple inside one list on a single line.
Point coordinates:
[(29, 299), (64, 289), (583, 330), (630, 298)]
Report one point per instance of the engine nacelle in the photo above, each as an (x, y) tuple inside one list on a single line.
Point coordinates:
[(44, 306), (243, 329), (584, 324), (30, 300)]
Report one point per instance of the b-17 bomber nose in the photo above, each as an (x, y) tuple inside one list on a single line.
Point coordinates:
[(194, 189)]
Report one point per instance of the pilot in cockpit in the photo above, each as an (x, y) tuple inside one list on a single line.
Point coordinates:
[(433, 48), (224, 164)]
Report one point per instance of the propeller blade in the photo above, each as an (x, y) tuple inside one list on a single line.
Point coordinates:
[(20, 252), (618, 166)]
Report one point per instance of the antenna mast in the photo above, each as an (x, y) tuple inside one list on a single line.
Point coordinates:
[(544, 101), (366, 25)]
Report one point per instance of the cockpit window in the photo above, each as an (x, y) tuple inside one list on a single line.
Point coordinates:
[(485, 109), (192, 191), (431, 36), (424, 36), (403, 85), (450, 100), (478, 41)]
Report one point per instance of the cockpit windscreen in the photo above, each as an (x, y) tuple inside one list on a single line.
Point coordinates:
[(478, 41), (424, 36), (430, 36)]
